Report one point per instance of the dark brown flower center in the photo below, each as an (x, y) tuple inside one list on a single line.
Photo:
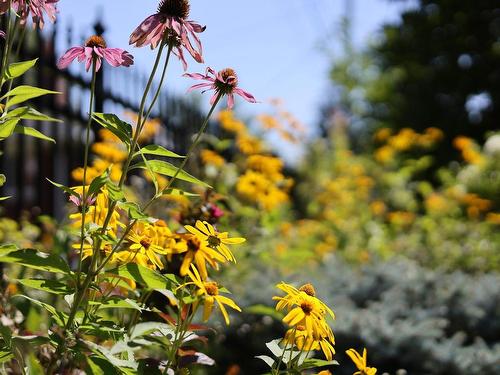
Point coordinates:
[(174, 8), (306, 307), (212, 288), (213, 241), (95, 41), (229, 81), (146, 242), (308, 289), (193, 243)]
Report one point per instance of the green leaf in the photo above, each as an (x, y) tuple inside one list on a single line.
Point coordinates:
[(146, 328), (146, 277), (28, 113), (20, 129), (64, 188), (157, 150), (23, 93), (49, 286), (97, 183), (8, 248), (2, 180), (101, 366), (313, 363), (117, 303), (7, 127), (134, 211), (165, 168), (59, 317), (37, 260), (15, 70), (114, 192), (5, 355), (179, 192), (121, 129)]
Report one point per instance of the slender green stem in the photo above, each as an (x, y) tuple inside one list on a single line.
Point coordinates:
[(6, 50), (18, 50), (85, 167), (179, 169)]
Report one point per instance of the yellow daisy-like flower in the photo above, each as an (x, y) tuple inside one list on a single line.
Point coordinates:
[(304, 342), (218, 241), (199, 253), (143, 247), (209, 290), (305, 310), (360, 362)]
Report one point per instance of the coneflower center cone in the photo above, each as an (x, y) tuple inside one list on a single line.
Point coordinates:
[(96, 41), (174, 8), (227, 86)]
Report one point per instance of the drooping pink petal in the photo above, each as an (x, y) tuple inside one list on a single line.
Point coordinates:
[(199, 86), (178, 52), (70, 55), (139, 35), (198, 76), (245, 95)]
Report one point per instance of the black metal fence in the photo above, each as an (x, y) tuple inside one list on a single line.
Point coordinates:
[(27, 162)]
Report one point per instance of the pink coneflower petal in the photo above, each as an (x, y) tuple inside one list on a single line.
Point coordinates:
[(69, 56), (224, 83), (95, 49), (169, 24)]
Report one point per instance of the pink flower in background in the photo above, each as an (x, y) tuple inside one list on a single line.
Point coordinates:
[(171, 18), (35, 8), (78, 201), (224, 82), (95, 48)]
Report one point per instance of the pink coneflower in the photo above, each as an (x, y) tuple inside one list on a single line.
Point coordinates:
[(171, 18), (36, 9), (95, 48), (224, 82)]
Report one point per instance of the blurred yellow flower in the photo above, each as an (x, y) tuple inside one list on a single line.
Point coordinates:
[(360, 362), (209, 157)]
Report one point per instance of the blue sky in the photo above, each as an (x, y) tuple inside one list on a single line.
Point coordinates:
[(276, 46)]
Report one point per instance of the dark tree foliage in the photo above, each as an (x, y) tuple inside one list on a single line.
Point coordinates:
[(445, 55)]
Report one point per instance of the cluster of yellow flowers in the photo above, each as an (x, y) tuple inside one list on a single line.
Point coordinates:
[(405, 140), (469, 149), (153, 244), (306, 316), (263, 182)]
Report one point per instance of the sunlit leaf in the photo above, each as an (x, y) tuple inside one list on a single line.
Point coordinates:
[(7, 127), (36, 260), (121, 129), (147, 277), (32, 132), (165, 168), (157, 150), (23, 93), (28, 113), (17, 69), (49, 286)]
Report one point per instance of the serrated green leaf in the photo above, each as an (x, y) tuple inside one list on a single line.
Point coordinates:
[(121, 129), (147, 277), (157, 150), (23, 93), (32, 132), (15, 70), (7, 127), (28, 113), (37, 260), (165, 168), (49, 286)]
